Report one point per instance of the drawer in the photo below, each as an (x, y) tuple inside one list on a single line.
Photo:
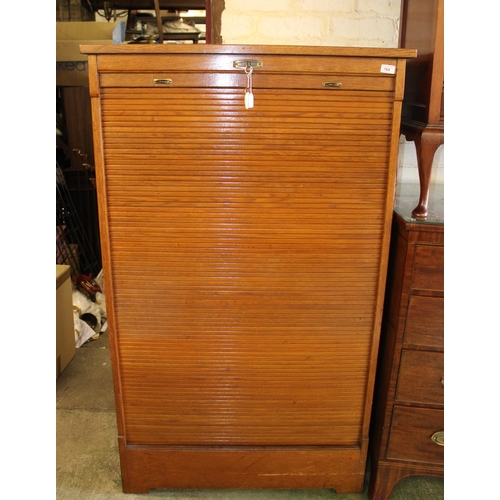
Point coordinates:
[(420, 375), (411, 434), (428, 268), (425, 321), (341, 83)]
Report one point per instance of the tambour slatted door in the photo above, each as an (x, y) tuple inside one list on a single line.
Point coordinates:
[(245, 253)]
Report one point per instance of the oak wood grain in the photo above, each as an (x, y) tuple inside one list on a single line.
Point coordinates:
[(245, 258)]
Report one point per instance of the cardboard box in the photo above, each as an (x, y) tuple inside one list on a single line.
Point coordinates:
[(65, 327), (71, 66)]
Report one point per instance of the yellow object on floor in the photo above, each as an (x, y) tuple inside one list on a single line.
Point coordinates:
[(65, 330)]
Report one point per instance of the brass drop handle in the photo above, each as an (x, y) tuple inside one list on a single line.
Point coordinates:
[(442, 381), (332, 84), (162, 81), (438, 438)]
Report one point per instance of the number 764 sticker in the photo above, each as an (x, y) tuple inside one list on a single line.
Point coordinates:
[(390, 69)]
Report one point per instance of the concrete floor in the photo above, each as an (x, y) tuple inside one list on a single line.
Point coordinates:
[(87, 452)]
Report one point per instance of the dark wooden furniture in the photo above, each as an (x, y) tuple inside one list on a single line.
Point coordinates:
[(407, 436), (149, 4), (422, 28), (245, 255), (213, 10)]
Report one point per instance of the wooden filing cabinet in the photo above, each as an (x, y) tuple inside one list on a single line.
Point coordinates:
[(407, 436), (245, 255)]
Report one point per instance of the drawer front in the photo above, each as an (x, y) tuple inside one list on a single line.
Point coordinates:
[(421, 377), (425, 321), (328, 83), (411, 435), (428, 268)]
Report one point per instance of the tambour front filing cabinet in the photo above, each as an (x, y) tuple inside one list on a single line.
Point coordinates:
[(245, 201)]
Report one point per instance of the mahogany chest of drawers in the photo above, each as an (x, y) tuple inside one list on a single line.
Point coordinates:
[(245, 255), (407, 436)]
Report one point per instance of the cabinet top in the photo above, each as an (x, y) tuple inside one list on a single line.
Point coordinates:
[(248, 49)]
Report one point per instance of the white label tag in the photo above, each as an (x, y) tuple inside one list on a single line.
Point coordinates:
[(248, 100), (388, 68)]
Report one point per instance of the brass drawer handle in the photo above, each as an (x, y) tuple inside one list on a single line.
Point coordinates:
[(332, 84), (438, 438), (162, 81)]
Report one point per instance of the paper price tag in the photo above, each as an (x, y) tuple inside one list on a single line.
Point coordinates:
[(388, 69), (248, 100)]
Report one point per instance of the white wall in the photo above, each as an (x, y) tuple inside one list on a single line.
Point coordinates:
[(357, 23)]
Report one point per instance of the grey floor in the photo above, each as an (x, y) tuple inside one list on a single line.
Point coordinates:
[(87, 452)]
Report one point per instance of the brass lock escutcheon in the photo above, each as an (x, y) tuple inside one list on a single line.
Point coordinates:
[(247, 63)]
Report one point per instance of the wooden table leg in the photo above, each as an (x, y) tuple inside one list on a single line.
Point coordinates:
[(159, 23), (427, 141)]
